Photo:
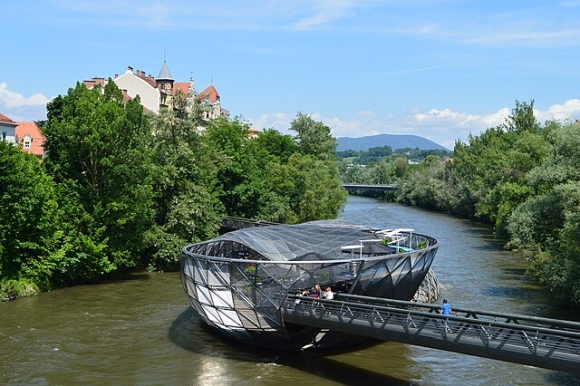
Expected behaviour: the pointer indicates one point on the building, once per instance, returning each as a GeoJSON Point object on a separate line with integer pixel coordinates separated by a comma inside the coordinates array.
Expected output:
{"type": "Point", "coordinates": [7, 129]}
{"type": "Point", "coordinates": [31, 139]}
{"type": "Point", "coordinates": [161, 92]}
{"type": "Point", "coordinates": [25, 134]}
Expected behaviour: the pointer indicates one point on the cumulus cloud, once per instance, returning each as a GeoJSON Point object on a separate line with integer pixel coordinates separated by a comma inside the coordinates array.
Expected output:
{"type": "Point", "coordinates": [569, 110]}
{"type": "Point", "coordinates": [10, 99]}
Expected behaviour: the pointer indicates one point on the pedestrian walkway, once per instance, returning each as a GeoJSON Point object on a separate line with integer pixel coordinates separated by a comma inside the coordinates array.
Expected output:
{"type": "Point", "coordinates": [541, 342]}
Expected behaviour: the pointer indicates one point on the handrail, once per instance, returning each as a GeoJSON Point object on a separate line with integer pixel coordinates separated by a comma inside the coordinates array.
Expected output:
{"type": "Point", "coordinates": [468, 313]}
{"type": "Point", "coordinates": [551, 343]}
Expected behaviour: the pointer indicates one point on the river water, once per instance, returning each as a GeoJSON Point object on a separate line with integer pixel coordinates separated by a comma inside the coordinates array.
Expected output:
{"type": "Point", "coordinates": [140, 330]}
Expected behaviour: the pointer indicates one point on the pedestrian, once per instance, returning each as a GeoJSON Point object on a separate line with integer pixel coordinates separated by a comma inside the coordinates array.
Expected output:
{"type": "Point", "coordinates": [328, 294]}
{"type": "Point", "coordinates": [445, 308]}
{"type": "Point", "coordinates": [446, 311]}
{"type": "Point", "coordinates": [318, 290]}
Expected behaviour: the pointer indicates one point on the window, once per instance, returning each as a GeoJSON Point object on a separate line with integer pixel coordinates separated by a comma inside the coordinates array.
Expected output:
{"type": "Point", "coordinates": [26, 142]}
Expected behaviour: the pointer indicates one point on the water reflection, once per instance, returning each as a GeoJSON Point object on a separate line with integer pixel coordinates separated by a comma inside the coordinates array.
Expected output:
{"type": "Point", "coordinates": [189, 333]}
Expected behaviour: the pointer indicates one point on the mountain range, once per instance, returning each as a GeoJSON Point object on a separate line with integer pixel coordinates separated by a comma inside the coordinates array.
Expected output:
{"type": "Point", "coordinates": [395, 141]}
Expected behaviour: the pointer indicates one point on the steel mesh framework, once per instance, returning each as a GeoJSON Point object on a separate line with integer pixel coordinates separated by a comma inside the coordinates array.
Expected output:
{"type": "Point", "coordinates": [238, 282]}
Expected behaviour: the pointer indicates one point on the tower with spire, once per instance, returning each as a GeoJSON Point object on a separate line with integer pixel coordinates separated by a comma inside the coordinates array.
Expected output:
{"type": "Point", "coordinates": [165, 86]}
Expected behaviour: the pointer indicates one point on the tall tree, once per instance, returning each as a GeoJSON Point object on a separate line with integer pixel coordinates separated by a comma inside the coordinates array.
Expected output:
{"type": "Point", "coordinates": [187, 206]}
{"type": "Point", "coordinates": [29, 219]}
{"type": "Point", "coordinates": [97, 147]}
{"type": "Point", "coordinates": [547, 225]}
{"type": "Point", "coordinates": [314, 138]}
{"type": "Point", "coordinates": [240, 180]}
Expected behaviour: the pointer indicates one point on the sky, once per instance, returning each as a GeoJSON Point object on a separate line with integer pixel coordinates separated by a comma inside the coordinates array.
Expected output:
{"type": "Point", "coordinates": [440, 69]}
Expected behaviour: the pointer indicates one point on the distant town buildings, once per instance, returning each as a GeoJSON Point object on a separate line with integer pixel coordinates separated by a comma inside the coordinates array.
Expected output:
{"type": "Point", "coordinates": [26, 134]}
{"type": "Point", "coordinates": [155, 94]}
{"type": "Point", "coordinates": [161, 92]}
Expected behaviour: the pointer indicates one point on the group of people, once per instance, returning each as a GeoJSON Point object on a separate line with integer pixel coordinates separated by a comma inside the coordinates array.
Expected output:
{"type": "Point", "coordinates": [316, 292]}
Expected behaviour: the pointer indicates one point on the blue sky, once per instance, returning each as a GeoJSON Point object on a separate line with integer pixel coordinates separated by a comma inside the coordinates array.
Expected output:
{"type": "Point", "coordinates": [441, 69]}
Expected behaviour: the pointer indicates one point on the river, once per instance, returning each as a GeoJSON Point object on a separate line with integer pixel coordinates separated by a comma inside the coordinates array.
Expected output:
{"type": "Point", "coordinates": [139, 329]}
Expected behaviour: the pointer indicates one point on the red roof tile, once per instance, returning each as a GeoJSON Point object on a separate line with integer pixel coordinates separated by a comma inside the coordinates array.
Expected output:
{"type": "Point", "coordinates": [29, 129]}
{"type": "Point", "coordinates": [182, 86]}
{"type": "Point", "coordinates": [4, 118]}
{"type": "Point", "coordinates": [210, 93]}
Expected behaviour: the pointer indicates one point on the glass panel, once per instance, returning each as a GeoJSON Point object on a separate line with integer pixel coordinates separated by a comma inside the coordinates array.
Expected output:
{"type": "Point", "coordinates": [221, 298]}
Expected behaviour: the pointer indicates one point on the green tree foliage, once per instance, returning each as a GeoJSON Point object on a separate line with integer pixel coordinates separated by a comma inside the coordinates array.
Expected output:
{"type": "Point", "coordinates": [29, 220]}
{"type": "Point", "coordinates": [522, 177]}
{"type": "Point", "coordinates": [310, 188]}
{"type": "Point", "coordinates": [374, 155]}
{"type": "Point", "coordinates": [239, 177]}
{"type": "Point", "coordinates": [424, 185]}
{"type": "Point", "coordinates": [275, 177]}
{"type": "Point", "coordinates": [491, 169]}
{"type": "Point", "coordinates": [547, 225]}
{"type": "Point", "coordinates": [272, 143]}
{"type": "Point", "coordinates": [121, 188]}
{"type": "Point", "coordinates": [313, 137]}
{"type": "Point", "coordinates": [98, 151]}
{"type": "Point", "coordinates": [386, 154]}
{"type": "Point", "coordinates": [187, 207]}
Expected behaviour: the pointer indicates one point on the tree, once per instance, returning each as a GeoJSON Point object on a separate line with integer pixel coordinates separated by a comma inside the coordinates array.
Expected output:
{"type": "Point", "coordinates": [276, 144]}
{"type": "Point", "coordinates": [522, 119]}
{"type": "Point", "coordinates": [312, 188]}
{"type": "Point", "coordinates": [490, 172]}
{"type": "Point", "coordinates": [187, 207]}
{"type": "Point", "coordinates": [29, 220]}
{"type": "Point", "coordinates": [546, 226]}
{"type": "Point", "coordinates": [239, 177]}
{"type": "Point", "coordinates": [98, 151]}
{"type": "Point", "coordinates": [313, 137]}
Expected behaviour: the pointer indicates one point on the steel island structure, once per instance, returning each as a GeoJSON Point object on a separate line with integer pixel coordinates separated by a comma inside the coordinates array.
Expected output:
{"type": "Point", "coordinates": [239, 281]}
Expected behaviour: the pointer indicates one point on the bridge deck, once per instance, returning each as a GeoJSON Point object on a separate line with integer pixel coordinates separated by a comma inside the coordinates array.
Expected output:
{"type": "Point", "coordinates": [547, 343]}
{"type": "Point", "coordinates": [383, 187]}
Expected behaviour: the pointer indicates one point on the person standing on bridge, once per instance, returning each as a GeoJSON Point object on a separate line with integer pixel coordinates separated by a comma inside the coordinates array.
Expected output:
{"type": "Point", "coordinates": [445, 308]}
{"type": "Point", "coordinates": [446, 311]}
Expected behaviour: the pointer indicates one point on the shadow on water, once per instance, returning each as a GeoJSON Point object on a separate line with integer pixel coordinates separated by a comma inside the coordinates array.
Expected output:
{"type": "Point", "coordinates": [126, 276]}
{"type": "Point", "coordinates": [189, 332]}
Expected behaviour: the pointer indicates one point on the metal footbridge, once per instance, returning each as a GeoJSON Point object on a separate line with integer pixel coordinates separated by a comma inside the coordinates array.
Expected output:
{"type": "Point", "coordinates": [382, 187]}
{"type": "Point", "coordinates": [541, 342]}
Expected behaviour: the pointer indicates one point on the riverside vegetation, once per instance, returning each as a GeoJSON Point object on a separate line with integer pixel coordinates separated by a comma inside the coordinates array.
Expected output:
{"type": "Point", "coordinates": [120, 188]}
{"type": "Point", "coordinates": [523, 177]}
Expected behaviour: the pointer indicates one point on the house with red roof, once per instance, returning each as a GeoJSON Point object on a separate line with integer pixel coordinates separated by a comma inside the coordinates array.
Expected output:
{"type": "Point", "coordinates": [30, 138]}
{"type": "Point", "coordinates": [160, 92]}
{"type": "Point", "coordinates": [25, 134]}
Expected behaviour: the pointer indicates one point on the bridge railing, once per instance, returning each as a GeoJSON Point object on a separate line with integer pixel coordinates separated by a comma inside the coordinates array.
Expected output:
{"type": "Point", "coordinates": [541, 342]}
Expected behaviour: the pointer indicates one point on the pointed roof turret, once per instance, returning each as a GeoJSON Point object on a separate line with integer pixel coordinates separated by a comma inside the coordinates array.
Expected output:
{"type": "Point", "coordinates": [164, 74]}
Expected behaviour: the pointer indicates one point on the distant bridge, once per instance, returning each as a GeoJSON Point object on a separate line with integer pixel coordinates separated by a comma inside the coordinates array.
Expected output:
{"type": "Point", "coordinates": [382, 187]}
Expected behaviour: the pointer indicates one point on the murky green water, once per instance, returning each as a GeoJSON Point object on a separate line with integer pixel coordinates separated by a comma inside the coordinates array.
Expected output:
{"type": "Point", "coordinates": [139, 330]}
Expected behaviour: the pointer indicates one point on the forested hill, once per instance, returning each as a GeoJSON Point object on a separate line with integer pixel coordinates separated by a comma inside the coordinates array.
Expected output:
{"type": "Point", "coordinates": [393, 140]}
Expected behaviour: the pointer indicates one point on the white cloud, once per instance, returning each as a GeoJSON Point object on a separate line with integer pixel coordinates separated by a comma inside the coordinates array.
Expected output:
{"type": "Point", "coordinates": [570, 109]}
{"type": "Point", "coordinates": [10, 99]}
